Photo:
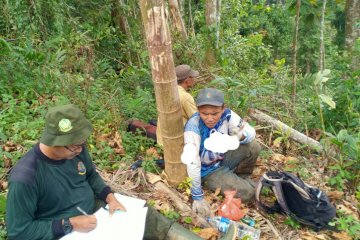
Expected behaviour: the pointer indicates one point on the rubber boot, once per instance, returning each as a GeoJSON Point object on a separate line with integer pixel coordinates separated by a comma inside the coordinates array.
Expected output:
{"type": "Point", "coordinates": [231, 233]}
{"type": "Point", "coordinates": [178, 232]}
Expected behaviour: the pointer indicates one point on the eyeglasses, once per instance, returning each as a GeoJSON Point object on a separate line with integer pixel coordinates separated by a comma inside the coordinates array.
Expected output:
{"type": "Point", "coordinates": [74, 147]}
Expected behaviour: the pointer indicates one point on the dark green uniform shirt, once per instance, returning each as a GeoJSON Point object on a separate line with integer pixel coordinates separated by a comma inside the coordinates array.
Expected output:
{"type": "Point", "coordinates": [43, 191]}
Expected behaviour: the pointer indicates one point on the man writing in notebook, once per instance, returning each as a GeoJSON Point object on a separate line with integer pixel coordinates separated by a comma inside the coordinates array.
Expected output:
{"type": "Point", "coordinates": [52, 188]}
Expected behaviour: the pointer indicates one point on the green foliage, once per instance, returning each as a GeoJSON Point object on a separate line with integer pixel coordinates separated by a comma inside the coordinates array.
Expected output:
{"type": "Point", "coordinates": [134, 106]}
{"type": "Point", "coordinates": [135, 144]}
{"type": "Point", "coordinates": [3, 232]}
{"type": "Point", "coordinates": [348, 223]}
{"type": "Point", "coordinates": [61, 51]}
{"type": "Point", "coordinates": [188, 220]}
{"type": "Point", "coordinates": [346, 166]}
{"type": "Point", "coordinates": [292, 223]}
{"type": "Point", "coordinates": [185, 185]}
{"type": "Point", "coordinates": [150, 166]}
{"type": "Point", "coordinates": [170, 214]}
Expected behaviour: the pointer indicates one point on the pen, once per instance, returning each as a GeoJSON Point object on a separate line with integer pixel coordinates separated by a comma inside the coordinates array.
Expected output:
{"type": "Point", "coordinates": [117, 210]}
{"type": "Point", "coordinates": [82, 211]}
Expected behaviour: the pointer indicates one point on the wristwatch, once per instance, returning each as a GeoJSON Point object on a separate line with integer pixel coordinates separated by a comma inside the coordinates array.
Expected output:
{"type": "Point", "coordinates": [66, 226]}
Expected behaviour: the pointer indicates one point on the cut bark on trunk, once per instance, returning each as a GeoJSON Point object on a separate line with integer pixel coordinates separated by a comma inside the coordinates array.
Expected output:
{"type": "Point", "coordinates": [166, 90]}
{"type": "Point", "coordinates": [294, 134]}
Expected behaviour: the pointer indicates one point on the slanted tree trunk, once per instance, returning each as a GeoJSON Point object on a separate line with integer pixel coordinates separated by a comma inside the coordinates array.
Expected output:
{"type": "Point", "coordinates": [166, 92]}
{"type": "Point", "coordinates": [177, 18]}
{"type": "Point", "coordinates": [295, 40]}
{"type": "Point", "coordinates": [292, 133]}
{"type": "Point", "coordinates": [322, 48]}
{"type": "Point", "coordinates": [352, 32]}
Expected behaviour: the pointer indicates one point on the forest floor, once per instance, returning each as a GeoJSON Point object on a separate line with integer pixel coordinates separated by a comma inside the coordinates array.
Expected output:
{"type": "Point", "coordinates": [308, 166]}
{"type": "Point", "coordinates": [274, 156]}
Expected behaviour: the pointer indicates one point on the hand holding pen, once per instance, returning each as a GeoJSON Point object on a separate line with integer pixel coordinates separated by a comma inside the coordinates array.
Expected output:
{"type": "Point", "coordinates": [83, 222]}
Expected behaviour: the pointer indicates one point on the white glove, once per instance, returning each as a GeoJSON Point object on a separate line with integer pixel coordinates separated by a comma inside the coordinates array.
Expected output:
{"type": "Point", "coordinates": [201, 207]}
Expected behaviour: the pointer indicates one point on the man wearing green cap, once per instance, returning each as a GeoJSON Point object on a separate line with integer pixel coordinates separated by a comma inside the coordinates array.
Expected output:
{"type": "Point", "coordinates": [215, 164]}
{"type": "Point", "coordinates": [56, 178]}
{"type": "Point", "coordinates": [186, 79]}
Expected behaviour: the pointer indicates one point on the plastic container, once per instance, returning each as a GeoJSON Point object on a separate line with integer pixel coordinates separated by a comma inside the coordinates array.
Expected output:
{"type": "Point", "coordinates": [221, 223]}
{"type": "Point", "coordinates": [245, 230]}
{"type": "Point", "coordinates": [248, 221]}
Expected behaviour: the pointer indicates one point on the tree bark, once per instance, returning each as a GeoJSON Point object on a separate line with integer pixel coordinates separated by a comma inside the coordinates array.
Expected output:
{"type": "Point", "coordinates": [295, 41]}
{"type": "Point", "coordinates": [295, 135]}
{"type": "Point", "coordinates": [352, 32]}
{"type": "Point", "coordinates": [212, 19]}
{"type": "Point", "coordinates": [322, 48]}
{"type": "Point", "coordinates": [177, 18]}
{"type": "Point", "coordinates": [120, 20]}
{"type": "Point", "coordinates": [165, 82]}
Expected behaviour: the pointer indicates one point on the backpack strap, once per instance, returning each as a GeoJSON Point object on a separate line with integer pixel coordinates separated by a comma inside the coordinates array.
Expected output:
{"type": "Point", "coordinates": [266, 181]}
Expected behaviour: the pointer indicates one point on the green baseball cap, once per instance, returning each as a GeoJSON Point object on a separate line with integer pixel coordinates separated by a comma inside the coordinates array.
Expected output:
{"type": "Point", "coordinates": [210, 96]}
{"type": "Point", "coordinates": [65, 125]}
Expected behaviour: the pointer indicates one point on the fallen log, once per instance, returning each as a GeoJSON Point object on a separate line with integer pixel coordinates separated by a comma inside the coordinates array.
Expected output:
{"type": "Point", "coordinates": [182, 207]}
{"type": "Point", "coordinates": [293, 134]}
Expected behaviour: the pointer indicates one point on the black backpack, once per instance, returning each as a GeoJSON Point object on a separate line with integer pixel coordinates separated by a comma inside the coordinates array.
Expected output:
{"type": "Point", "coordinates": [306, 204]}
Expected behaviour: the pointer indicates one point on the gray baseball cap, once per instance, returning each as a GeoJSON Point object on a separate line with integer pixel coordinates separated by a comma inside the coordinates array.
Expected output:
{"type": "Point", "coordinates": [210, 96]}
{"type": "Point", "coordinates": [184, 71]}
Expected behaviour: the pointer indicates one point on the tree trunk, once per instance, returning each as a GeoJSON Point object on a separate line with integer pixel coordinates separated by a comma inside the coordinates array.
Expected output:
{"type": "Point", "coordinates": [294, 134]}
{"type": "Point", "coordinates": [352, 32]}
{"type": "Point", "coordinates": [322, 48]}
{"type": "Point", "coordinates": [295, 41]}
{"type": "Point", "coordinates": [212, 19]}
{"type": "Point", "coordinates": [166, 92]}
{"type": "Point", "coordinates": [191, 22]}
{"type": "Point", "coordinates": [177, 18]}
{"type": "Point", "coordinates": [120, 20]}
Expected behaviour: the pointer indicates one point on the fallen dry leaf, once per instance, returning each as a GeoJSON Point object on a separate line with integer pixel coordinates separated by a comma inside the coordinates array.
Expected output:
{"type": "Point", "coordinates": [335, 195]}
{"type": "Point", "coordinates": [152, 152]}
{"type": "Point", "coordinates": [347, 211]}
{"type": "Point", "coordinates": [7, 162]}
{"type": "Point", "coordinates": [277, 157]}
{"type": "Point", "coordinates": [311, 236]}
{"type": "Point", "coordinates": [290, 159]}
{"type": "Point", "coordinates": [3, 185]}
{"type": "Point", "coordinates": [217, 191]}
{"type": "Point", "coordinates": [208, 233]}
{"type": "Point", "coordinates": [341, 236]}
